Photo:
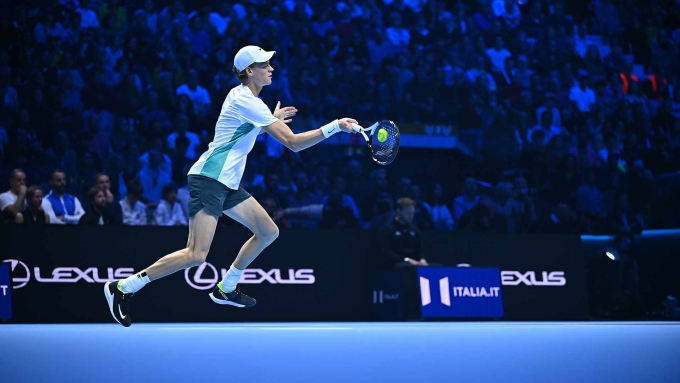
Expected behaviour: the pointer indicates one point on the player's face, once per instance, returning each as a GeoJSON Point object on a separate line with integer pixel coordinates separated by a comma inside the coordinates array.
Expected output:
{"type": "Point", "coordinates": [262, 74]}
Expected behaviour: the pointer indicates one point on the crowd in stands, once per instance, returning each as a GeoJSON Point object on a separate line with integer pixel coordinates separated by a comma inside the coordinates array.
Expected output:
{"type": "Point", "coordinates": [107, 103]}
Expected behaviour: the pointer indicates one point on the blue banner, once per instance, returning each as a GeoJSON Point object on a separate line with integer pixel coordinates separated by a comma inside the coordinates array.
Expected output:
{"type": "Point", "coordinates": [5, 292]}
{"type": "Point", "coordinates": [460, 292]}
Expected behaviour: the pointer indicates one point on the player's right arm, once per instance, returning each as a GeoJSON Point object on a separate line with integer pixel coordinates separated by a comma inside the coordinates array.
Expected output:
{"type": "Point", "coordinates": [297, 142]}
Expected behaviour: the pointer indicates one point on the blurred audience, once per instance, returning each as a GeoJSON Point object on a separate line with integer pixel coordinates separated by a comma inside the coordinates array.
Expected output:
{"type": "Point", "coordinates": [575, 117]}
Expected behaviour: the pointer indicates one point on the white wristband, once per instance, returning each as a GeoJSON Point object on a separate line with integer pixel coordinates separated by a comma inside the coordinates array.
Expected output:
{"type": "Point", "coordinates": [330, 129]}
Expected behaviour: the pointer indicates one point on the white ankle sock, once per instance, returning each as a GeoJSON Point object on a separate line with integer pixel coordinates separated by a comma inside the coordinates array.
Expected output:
{"type": "Point", "coordinates": [230, 280]}
{"type": "Point", "coordinates": [134, 283]}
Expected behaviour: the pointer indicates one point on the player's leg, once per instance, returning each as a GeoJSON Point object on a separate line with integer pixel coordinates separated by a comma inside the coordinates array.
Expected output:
{"type": "Point", "coordinates": [250, 214]}
{"type": "Point", "coordinates": [205, 207]}
{"type": "Point", "coordinates": [201, 231]}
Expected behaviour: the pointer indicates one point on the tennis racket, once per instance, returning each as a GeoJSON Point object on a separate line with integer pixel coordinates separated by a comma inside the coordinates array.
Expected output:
{"type": "Point", "coordinates": [382, 139]}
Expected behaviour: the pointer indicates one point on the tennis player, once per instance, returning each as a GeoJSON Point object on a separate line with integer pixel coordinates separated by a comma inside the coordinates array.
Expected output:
{"type": "Point", "coordinates": [214, 186]}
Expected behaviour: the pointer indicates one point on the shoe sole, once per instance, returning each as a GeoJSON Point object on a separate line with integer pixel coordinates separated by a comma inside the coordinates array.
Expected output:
{"type": "Point", "coordinates": [109, 299]}
{"type": "Point", "coordinates": [224, 302]}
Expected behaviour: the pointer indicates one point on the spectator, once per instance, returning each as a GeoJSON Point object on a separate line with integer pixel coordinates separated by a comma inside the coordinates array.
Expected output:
{"type": "Point", "coordinates": [549, 105]}
{"type": "Point", "coordinates": [62, 156]}
{"type": "Point", "coordinates": [182, 130]}
{"type": "Point", "coordinates": [498, 54]}
{"type": "Point", "coordinates": [199, 96]}
{"type": "Point", "coordinates": [589, 198]}
{"type": "Point", "coordinates": [441, 216]}
{"type": "Point", "coordinates": [563, 220]}
{"type": "Point", "coordinates": [96, 212]}
{"type": "Point", "coordinates": [582, 96]}
{"type": "Point", "coordinates": [62, 207]}
{"type": "Point", "coordinates": [88, 17]}
{"type": "Point", "coordinates": [548, 130]}
{"type": "Point", "coordinates": [153, 178]}
{"type": "Point", "coordinates": [336, 215]}
{"type": "Point", "coordinates": [303, 197]}
{"type": "Point", "coordinates": [103, 182]}
{"type": "Point", "coordinates": [467, 200]}
{"type": "Point", "coordinates": [134, 212]}
{"type": "Point", "coordinates": [276, 214]}
{"type": "Point", "coordinates": [169, 212]}
{"type": "Point", "coordinates": [398, 36]}
{"type": "Point", "coordinates": [33, 214]}
{"type": "Point", "coordinates": [10, 96]}
{"type": "Point", "coordinates": [12, 202]}
{"type": "Point", "coordinates": [482, 218]}
{"type": "Point", "coordinates": [347, 200]}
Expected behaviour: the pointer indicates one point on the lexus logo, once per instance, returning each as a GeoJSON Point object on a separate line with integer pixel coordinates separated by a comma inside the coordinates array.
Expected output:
{"type": "Point", "coordinates": [20, 273]}
{"type": "Point", "coordinates": [198, 281]}
{"type": "Point", "coordinates": [206, 276]}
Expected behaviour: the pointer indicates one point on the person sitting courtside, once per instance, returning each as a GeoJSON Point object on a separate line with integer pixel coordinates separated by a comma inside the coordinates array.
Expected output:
{"type": "Point", "coordinates": [96, 213]}
{"type": "Point", "coordinates": [34, 213]}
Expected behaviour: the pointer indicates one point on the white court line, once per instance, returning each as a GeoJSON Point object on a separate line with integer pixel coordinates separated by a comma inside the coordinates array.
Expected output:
{"type": "Point", "coordinates": [257, 328]}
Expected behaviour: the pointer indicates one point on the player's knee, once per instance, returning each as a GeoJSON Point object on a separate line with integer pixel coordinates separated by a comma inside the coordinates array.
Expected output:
{"type": "Point", "coordinates": [270, 233]}
{"type": "Point", "coordinates": [195, 257]}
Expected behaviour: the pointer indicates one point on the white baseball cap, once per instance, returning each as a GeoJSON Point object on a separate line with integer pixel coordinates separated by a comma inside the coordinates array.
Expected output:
{"type": "Point", "coordinates": [251, 54]}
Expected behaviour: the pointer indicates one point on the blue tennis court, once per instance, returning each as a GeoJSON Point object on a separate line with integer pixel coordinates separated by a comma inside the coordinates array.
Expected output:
{"type": "Point", "coordinates": [342, 352]}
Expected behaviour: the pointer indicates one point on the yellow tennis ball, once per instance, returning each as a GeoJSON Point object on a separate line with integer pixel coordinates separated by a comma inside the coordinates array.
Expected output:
{"type": "Point", "coordinates": [382, 135]}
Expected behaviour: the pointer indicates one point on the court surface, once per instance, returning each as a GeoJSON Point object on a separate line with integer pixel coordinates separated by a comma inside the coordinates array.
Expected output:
{"type": "Point", "coordinates": [342, 352]}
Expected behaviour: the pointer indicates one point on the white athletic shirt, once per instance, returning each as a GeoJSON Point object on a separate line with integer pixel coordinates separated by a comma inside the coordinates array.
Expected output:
{"type": "Point", "coordinates": [242, 117]}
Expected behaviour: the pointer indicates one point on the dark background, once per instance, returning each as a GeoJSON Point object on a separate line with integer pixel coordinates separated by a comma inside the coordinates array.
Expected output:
{"type": "Point", "coordinates": [339, 258]}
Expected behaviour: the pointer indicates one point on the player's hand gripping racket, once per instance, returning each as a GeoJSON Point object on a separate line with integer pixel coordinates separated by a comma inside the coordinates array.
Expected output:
{"type": "Point", "coordinates": [383, 140]}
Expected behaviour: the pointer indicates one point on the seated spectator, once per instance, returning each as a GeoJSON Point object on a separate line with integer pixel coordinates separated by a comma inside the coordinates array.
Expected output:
{"type": "Point", "coordinates": [498, 54]}
{"type": "Point", "coordinates": [199, 96]}
{"type": "Point", "coordinates": [549, 130]}
{"type": "Point", "coordinates": [134, 212]}
{"type": "Point", "coordinates": [157, 144]}
{"type": "Point", "coordinates": [96, 213]}
{"type": "Point", "coordinates": [347, 200]}
{"type": "Point", "coordinates": [440, 214]}
{"type": "Point", "coordinates": [336, 215]}
{"type": "Point", "coordinates": [220, 19]}
{"type": "Point", "coordinates": [88, 16]}
{"type": "Point", "coordinates": [398, 36]}
{"type": "Point", "coordinates": [482, 218]}
{"type": "Point", "coordinates": [589, 198]}
{"type": "Point", "coordinates": [399, 239]}
{"type": "Point", "coordinates": [62, 207]}
{"type": "Point", "coordinates": [303, 197]}
{"type": "Point", "coordinates": [549, 105]}
{"type": "Point", "coordinates": [622, 220]}
{"type": "Point", "coordinates": [582, 96]}
{"type": "Point", "coordinates": [563, 220]}
{"type": "Point", "coordinates": [62, 155]}
{"type": "Point", "coordinates": [182, 130]}
{"type": "Point", "coordinates": [153, 177]}
{"type": "Point", "coordinates": [468, 200]}
{"type": "Point", "coordinates": [34, 213]}
{"type": "Point", "coordinates": [277, 215]}
{"type": "Point", "coordinates": [103, 182]}
{"type": "Point", "coordinates": [422, 218]}
{"type": "Point", "coordinates": [12, 201]}
{"type": "Point", "coordinates": [169, 212]}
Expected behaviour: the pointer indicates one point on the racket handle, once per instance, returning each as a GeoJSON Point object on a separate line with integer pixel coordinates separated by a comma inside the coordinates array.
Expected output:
{"type": "Point", "coordinates": [357, 128]}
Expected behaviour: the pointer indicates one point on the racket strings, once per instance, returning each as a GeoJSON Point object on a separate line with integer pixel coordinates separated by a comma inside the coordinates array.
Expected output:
{"type": "Point", "coordinates": [384, 152]}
